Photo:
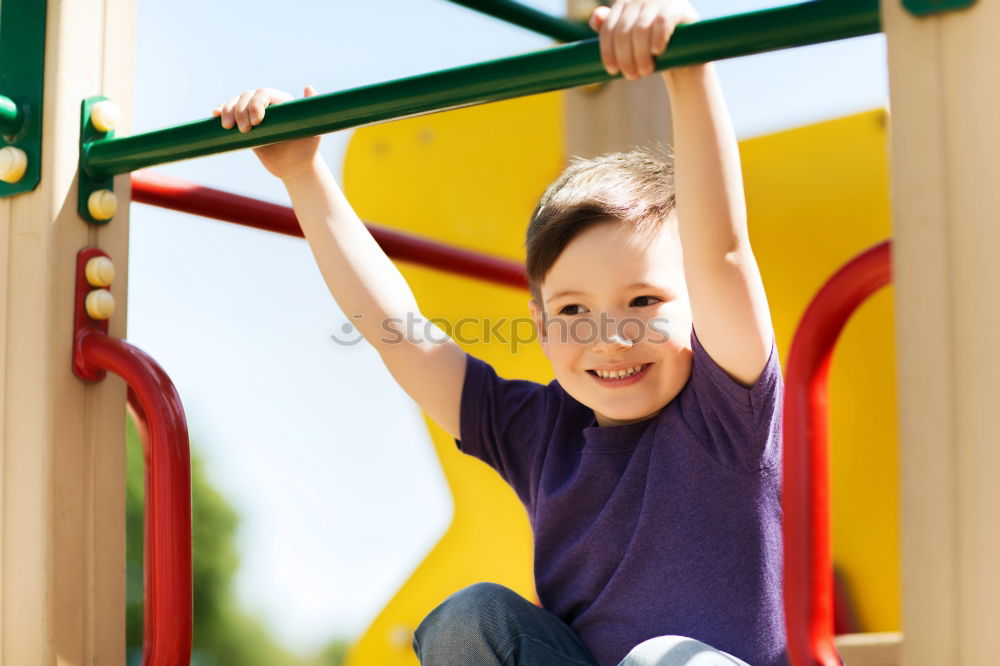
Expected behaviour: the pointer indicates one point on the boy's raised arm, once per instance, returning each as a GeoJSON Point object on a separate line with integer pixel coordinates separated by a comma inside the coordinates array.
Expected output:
{"type": "Point", "coordinates": [728, 302]}
{"type": "Point", "coordinates": [363, 281]}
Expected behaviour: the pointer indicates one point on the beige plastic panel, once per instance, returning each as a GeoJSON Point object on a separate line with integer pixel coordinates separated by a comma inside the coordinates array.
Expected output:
{"type": "Point", "coordinates": [62, 469]}
{"type": "Point", "coordinates": [875, 649]}
{"type": "Point", "coordinates": [944, 142]}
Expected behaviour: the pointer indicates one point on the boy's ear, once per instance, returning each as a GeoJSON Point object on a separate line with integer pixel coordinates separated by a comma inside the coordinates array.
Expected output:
{"type": "Point", "coordinates": [538, 315]}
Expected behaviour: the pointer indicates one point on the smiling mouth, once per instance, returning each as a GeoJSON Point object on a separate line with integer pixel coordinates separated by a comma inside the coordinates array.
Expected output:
{"type": "Point", "coordinates": [619, 379]}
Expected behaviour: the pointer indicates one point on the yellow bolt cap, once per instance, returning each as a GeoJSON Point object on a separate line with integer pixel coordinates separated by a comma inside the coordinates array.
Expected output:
{"type": "Point", "coordinates": [13, 163]}
{"type": "Point", "coordinates": [100, 304]}
{"type": "Point", "coordinates": [102, 204]}
{"type": "Point", "coordinates": [105, 115]}
{"type": "Point", "coordinates": [99, 271]}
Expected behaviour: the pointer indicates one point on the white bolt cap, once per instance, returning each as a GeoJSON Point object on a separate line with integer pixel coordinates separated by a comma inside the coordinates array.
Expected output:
{"type": "Point", "coordinates": [13, 163]}
{"type": "Point", "coordinates": [105, 115]}
{"type": "Point", "coordinates": [102, 204]}
{"type": "Point", "coordinates": [99, 271]}
{"type": "Point", "coordinates": [100, 304]}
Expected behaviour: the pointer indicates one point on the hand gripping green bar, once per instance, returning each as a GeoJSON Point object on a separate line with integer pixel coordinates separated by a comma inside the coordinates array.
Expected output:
{"type": "Point", "coordinates": [559, 29]}
{"type": "Point", "coordinates": [565, 66]}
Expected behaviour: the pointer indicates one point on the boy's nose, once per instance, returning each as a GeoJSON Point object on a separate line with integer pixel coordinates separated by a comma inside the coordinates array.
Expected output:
{"type": "Point", "coordinates": [614, 342]}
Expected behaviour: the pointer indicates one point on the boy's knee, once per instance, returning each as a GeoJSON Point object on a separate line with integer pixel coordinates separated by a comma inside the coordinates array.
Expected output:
{"type": "Point", "coordinates": [677, 651]}
{"type": "Point", "coordinates": [479, 600]}
{"type": "Point", "coordinates": [468, 617]}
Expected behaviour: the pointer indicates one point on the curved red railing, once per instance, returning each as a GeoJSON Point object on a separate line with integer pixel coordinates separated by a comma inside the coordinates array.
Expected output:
{"type": "Point", "coordinates": [808, 582]}
{"type": "Point", "coordinates": [176, 194]}
{"type": "Point", "coordinates": [168, 602]}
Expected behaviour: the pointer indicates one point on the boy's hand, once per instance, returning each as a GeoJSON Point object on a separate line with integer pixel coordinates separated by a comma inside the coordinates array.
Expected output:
{"type": "Point", "coordinates": [246, 111]}
{"type": "Point", "coordinates": [633, 31]}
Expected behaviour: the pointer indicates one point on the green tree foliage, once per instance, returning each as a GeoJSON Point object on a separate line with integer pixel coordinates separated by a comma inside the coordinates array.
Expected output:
{"type": "Point", "coordinates": [223, 634]}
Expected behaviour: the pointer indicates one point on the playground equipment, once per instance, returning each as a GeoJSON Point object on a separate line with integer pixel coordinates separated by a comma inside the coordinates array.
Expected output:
{"type": "Point", "coordinates": [160, 417]}
{"type": "Point", "coordinates": [943, 201]}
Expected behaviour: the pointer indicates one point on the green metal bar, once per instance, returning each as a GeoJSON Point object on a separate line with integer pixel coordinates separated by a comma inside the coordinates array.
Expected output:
{"type": "Point", "coordinates": [560, 67]}
{"type": "Point", "coordinates": [560, 29]}
{"type": "Point", "coordinates": [10, 117]}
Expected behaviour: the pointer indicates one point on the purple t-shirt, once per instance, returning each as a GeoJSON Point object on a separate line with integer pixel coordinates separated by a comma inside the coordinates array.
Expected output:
{"type": "Point", "coordinates": [667, 526]}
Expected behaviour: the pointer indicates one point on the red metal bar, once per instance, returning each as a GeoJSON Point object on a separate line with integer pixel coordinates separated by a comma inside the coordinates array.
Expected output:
{"type": "Point", "coordinates": [809, 614]}
{"type": "Point", "coordinates": [168, 602]}
{"type": "Point", "coordinates": [180, 195]}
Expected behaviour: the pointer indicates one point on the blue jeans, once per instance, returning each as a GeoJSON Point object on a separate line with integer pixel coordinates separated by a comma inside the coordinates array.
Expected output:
{"type": "Point", "coordinates": [490, 625]}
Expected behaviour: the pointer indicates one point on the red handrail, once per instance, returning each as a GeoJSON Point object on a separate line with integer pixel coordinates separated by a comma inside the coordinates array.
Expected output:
{"type": "Point", "coordinates": [168, 604]}
{"type": "Point", "coordinates": [808, 577]}
{"type": "Point", "coordinates": [180, 195]}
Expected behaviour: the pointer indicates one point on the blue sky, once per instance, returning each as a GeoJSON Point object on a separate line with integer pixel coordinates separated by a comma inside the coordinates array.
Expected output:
{"type": "Point", "coordinates": [325, 458]}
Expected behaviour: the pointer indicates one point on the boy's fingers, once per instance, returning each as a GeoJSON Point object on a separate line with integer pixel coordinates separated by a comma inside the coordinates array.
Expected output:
{"type": "Point", "coordinates": [255, 107]}
{"type": "Point", "coordinates": [624, 55]}
{"type": "Point", "coordinates": [608, 54]}
{"type": "Point", "coordinates": [607, 40]}
{"type": "Point", "coordinates": [659, 34]}
{"type": "Point", "coordinates": [642, 48]}
{"type": "Point", "coordinates": [597, 18]}
{"type": "Point", "coordinates": [227, 113]}
{"type": "Point", "coordinates": [240, 113]}
{"type": "Point", "coordinates": [309, 91]}
{"type": "Point", "coordinates": [247, 109]}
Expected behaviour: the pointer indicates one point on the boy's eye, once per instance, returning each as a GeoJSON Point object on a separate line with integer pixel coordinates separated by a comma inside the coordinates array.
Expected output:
{"type": "Point", "coordinates": [642, 301]}
{"type": "Point", "coordinates": [570, 309]}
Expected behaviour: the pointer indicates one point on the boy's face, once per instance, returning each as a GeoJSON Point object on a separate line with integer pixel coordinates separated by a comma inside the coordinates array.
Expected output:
{"type": "Point", "coordinates": [614, 301]}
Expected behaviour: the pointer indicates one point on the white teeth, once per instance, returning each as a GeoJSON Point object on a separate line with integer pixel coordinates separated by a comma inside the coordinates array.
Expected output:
{"type": "Point", "coordinates": [618, 374]}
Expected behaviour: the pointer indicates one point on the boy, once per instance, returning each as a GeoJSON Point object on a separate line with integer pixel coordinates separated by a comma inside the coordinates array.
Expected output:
{"type": "Point", "coordinates": [650, 467]}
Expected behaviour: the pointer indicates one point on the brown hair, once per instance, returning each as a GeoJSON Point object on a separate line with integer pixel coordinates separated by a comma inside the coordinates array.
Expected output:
{"type": "Point", "coordinates": [634, 188]}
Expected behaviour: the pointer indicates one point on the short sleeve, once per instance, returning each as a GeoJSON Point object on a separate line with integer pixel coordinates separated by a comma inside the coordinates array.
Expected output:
{"type": "Point", "coordinates": [741, 426]}
{"type": "Point", "coordinates": [503, 422]}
